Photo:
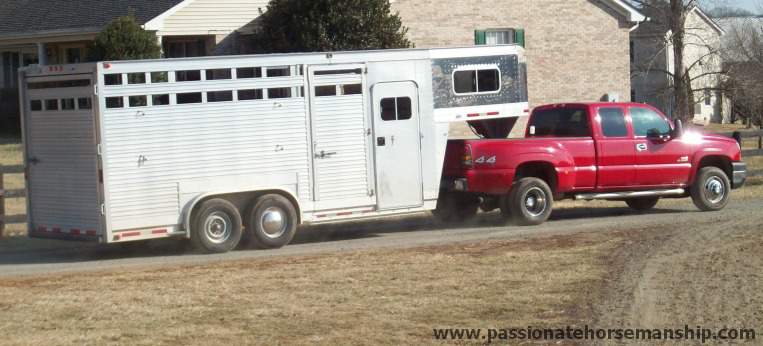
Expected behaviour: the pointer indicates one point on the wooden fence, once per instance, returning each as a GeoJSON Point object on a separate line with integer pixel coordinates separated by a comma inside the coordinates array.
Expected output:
{"type": "Point", "coordinates": [21, 193]}
{"type": "Point", "coordinates": [6, 194]}
{"type": "Point", "coordinates": [742, 136]}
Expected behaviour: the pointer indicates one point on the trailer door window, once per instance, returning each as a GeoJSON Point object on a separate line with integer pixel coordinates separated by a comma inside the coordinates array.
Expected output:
{"type": "Point", "coordinates": [396, 108]}
{"type": "Point", "coordinates": [476, 81]}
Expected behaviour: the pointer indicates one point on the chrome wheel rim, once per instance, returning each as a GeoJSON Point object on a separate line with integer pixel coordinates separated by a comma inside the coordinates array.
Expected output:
{"type": "Point", "coordinates": [535, 201]}
{"type": "Point", "coordinates": [715, 191]}
{"type": "Point", "coordinates": [218, 227]}
{"type": "Point", "coordinates": [273, 222]}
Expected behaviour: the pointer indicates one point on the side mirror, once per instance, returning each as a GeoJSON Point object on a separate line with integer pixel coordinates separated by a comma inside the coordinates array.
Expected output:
{"type": "Point", "coordinates": [678, 130]}
{"type": "Point", "coordinates": [655, 136]}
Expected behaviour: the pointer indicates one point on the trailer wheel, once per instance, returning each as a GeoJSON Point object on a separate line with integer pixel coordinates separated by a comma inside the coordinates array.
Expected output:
{"type": "Point", "coordinates": [710, 191]}
{"type": "Point", "coordinates": [456, 207]}
{"type": "Point", "coordinates": [529, 202]}
{"type": "Point", "coordinates": [271, 222]}
{"type": "Point", "coordinates": [216, 227]}
{"type": "Point", "coordinates": [642, 204]}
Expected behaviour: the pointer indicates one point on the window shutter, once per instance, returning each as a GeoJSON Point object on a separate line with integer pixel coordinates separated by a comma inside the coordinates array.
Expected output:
{"type": "Point", "coordinates": [519, 37]}
{"type": "Point", "coordinates": [479, 37]}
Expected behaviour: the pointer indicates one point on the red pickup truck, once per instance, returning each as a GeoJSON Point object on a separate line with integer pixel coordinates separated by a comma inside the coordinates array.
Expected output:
{"type": "Point", "coordinates": [617, 151]}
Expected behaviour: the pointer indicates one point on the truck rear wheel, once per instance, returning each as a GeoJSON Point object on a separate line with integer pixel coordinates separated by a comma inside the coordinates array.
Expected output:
{"type": "Point", "coordinates": [216, 227]}
{"type": "Point", "coordinates": [529, 202]}
{"type": "Point", "coordinates": [710, 191]}
{"type": "Point", "coordinates": [271, 222]}
{"type": "Point", "coordinates": [456, 207]}
{"type": "Point", "coordinates": [642, 204]}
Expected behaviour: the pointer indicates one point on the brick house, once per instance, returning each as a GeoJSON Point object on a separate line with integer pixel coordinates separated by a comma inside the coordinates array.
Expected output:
{"type": "Point", "coordinates": [577, 50]}
{"type": "Point", "coordinates": [59, 31]}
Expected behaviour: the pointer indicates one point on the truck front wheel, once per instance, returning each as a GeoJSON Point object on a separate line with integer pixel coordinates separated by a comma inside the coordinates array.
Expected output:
{"type": "Point", "coordinates": [710, 191]}
{"type": "Point", "coordinates": [271, 222]}
{"type": "Point", "coordinates": [216, 227]}
{"type": "Point", "coordinates": [529, 202]}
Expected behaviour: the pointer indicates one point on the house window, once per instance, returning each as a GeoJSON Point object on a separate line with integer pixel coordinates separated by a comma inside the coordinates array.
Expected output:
{"type": "Point", "coordinates": [476, 81]}
{"type": "Point", "coordinates": [708, 98]}
{"type": "Point", "coordinates": [10, 66]}
{"type": "Point", "coordinates": [633, 51]}
{"type": "Point", "coordinates": [500, 36]}
{"type": "Point", "coordinates": [493, 37]}
{"type": "Point", "coordinates": [185, 48]}
{"type": "Point", "coordinates": [73, 55]}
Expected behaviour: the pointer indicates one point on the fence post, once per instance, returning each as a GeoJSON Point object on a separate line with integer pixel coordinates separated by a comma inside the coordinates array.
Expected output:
{"type": "Point", "coordinates": [2, 205]}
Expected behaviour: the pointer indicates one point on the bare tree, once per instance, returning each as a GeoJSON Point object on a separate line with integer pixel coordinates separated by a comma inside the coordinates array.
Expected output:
{"type": "Point", "coordinates": [674, 34]}
{"type": "Point", "coordinates": [744, 60]}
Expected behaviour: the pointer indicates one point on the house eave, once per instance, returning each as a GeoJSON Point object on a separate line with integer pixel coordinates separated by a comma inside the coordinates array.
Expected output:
{"type": "Point", "coordinates": [47, 35]}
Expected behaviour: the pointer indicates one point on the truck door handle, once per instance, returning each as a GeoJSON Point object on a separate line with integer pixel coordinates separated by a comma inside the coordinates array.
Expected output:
{"type": "Point", "coordinates": [641, 147]}
{"type": "Point", "coordinates": [381, 141]}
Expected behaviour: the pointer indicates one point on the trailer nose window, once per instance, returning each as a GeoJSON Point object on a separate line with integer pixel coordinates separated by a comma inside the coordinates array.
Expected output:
{"type": "Point", "coordinates": [476, 81]}
{"type": "Point", "coordinates": [396, 108]}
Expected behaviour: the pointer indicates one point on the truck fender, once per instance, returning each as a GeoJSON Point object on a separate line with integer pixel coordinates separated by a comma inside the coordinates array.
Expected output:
{"type": "Point", "coordinates": [703, 154]}
{"type": "Point", "coordinates": [189, 207]}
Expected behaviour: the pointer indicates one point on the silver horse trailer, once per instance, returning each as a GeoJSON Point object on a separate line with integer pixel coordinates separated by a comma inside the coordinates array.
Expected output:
{"type": "Point", "coordinates": [246, 148]}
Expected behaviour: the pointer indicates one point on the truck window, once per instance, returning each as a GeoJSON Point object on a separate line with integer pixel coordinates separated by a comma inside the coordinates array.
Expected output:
{"type": "Point", "coordinates": [567, 122]}
{"type": "Point", "coordinates": [613, 122]}
{"type": "Point", "coordinates": [646, 119]}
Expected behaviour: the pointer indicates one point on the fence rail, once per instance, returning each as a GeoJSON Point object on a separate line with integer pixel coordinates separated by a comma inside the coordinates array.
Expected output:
{"type": "Point", "coordinates": [20, 193]}
{"type": "Point", "coordinates": [14, 193]}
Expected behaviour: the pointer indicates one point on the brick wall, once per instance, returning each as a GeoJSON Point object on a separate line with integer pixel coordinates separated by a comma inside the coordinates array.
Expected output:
{"type": "Point", "coordinates": [577, 50]}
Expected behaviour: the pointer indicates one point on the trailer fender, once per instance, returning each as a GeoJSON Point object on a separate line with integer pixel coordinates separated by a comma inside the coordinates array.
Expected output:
{"type": "Point", "coordinates": [190, 206]}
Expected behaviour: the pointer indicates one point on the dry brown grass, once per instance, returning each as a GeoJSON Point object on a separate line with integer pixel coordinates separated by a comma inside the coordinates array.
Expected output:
{"type": "Point", "coordinates": [379, 297]}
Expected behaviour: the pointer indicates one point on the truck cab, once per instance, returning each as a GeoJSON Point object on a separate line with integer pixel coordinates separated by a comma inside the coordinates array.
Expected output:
{"type": "Point", "coordinates": [618, 151]}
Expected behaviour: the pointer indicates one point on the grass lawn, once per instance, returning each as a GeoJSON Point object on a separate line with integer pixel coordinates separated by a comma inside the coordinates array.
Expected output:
{"type": "Point", "coordinates": [370, 297]}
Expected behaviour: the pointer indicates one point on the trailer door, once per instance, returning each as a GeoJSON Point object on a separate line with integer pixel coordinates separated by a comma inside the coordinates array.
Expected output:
{"type": "Point", "coordinates": [398, 144]}
{"type": "Point", "coordinates": [59, 125]}
{"type": "Point", "coordinates": [340, 137]}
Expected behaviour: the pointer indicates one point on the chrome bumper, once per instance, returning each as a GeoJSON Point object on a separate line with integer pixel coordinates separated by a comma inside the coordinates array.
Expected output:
{"type": "Point", "coordinates": [740, 174]}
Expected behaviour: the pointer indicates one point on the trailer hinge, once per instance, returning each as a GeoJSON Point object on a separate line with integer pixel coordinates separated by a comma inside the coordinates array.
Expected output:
{"type": "Point", "coordinates": [365, 70]}
{"type": "Point", "coordinates": [103, 209]}
{"type": "Point", "coordinates": [99, 149]}
{"type": "Point", "coordinates": [95, 89]}
{"type": "Point", "coordinates": [371, 192]}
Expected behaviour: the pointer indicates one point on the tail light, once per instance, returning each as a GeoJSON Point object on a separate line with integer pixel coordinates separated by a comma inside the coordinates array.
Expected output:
{"type": "Point", "coordinates": [466, 159]}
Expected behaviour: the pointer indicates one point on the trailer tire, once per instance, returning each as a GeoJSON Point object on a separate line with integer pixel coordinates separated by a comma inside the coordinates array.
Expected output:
{"type": "Point", "coordinates": [216, 226]}
{"type": "Point", "coordinates": [642, 204]}
{"type": "Point", "coordinates": [529, 202]}
{"type": "Point", "coordinates": [711, 189]}
{"type": "Point", "coordinates": [271, 222]}
{"type": "Point", "coordinates": [454, 207]}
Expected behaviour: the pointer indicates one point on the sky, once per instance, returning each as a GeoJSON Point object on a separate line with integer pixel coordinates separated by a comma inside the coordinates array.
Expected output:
{"type": "Point", "coordinates": [751, 5]}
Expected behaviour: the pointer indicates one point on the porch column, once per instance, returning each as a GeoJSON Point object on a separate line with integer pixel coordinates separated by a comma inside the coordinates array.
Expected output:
{"type": "Point", "coordinates": [42, 53]}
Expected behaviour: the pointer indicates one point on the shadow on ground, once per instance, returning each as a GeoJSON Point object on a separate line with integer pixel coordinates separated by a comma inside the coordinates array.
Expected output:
{"type": "Point", "coordinates": [70, 252]}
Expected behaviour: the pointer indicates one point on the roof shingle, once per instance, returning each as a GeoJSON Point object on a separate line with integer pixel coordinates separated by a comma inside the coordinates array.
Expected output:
{"type": "Point", "coordinates": [32, 16]}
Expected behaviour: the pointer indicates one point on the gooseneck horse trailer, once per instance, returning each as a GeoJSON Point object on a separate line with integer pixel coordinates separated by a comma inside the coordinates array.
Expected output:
{"type": "Point", "coordinates": [222, 150]}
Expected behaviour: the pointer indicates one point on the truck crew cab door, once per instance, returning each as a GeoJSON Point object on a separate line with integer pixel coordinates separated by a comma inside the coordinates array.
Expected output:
{"type": "Point", "coordinates": [397, 143]}
{"type": "Point", "coordinates": [659, 162]}
{"type": "Point", "coordinates": [615, 149]}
